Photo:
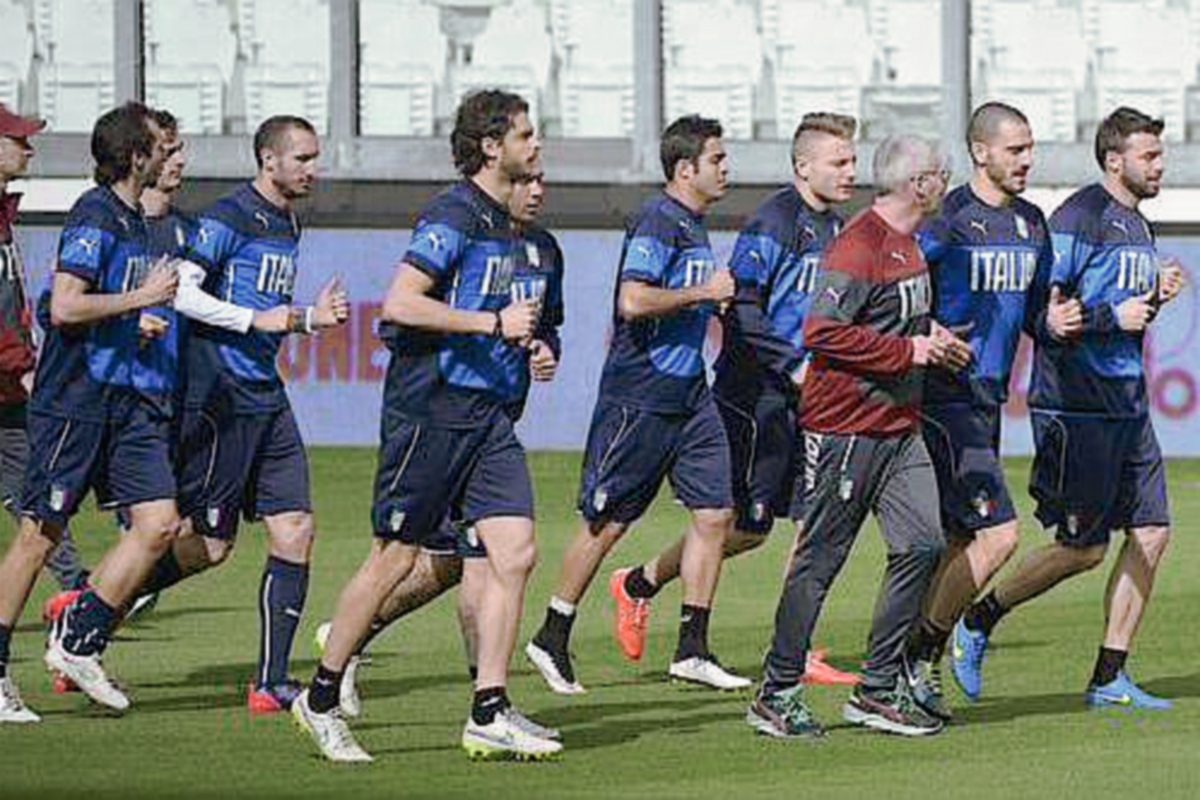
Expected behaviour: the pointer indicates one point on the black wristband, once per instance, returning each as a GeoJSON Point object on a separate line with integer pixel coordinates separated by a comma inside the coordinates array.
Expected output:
{"type": "Point", "coordinates": [498, 328]}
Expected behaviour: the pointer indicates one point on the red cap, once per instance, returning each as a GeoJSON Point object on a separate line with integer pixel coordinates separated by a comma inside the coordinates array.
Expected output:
{"type": "Point", "coordinates": [16, 126]}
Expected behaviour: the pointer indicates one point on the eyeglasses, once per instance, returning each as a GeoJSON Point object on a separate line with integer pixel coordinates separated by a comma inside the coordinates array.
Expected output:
{"type": "Point", "coordinates": [944, 174]}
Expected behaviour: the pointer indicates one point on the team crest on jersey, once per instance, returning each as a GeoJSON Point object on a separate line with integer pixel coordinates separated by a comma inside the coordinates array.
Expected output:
{"type": "Point", "coordinates": [213, 517]}
{"type": "Point", "coordinates": [983, 505]}
{"type": "Point", "coordinates": [1022, 227]}
{"type": "Point", "coordinates": [599, 500]}
{"type": "Point", "coordinates": [396, 521]}
{"type": "Point", "coordinates": [58, 498]}
{"type": "Point", "coordinates": [533, 255]}
{"type": "Point", "coordinates": [760, 512]}
{"type": "Point", "coordinates": [180, 239]}
{"type": "Point", "coordinates": [204, 233]}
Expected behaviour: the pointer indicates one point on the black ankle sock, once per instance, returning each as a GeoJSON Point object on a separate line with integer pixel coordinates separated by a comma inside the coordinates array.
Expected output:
{"type": "Point", "coordinates": [323, 694]}
{"type": "Point", "coordinates": [5, 639]}
{"type": "Point", "coordinates": [1109, 664]}
{"type": "Point", "coordinates": [927, 641]}
{"type": "Point", "coordinates": [556, 631]}
{"type": "Point", "coordinates": [638, 586]}
{"type": "Point", "coordinates": [488, 703]}
{"type": "Point", "coordinates": [983, 615]}
{"type": "Point", "coordinates": [693, 632]}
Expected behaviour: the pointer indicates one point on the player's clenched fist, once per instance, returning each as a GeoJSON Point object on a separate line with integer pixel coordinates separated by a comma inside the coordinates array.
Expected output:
{"type": "Point", "coordinates": [159, 287]}
{"type": "Point", "coordinates": [517, 321]}
{"type": "Point", "coordinates": [721, 286]}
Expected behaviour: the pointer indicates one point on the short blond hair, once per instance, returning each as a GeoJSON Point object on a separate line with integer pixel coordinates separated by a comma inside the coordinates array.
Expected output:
{"type": "Point", "coordinates": [842, 126]}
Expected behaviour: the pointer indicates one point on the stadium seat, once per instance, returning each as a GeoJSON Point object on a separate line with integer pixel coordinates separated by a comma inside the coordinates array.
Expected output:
{"type": "Point", "coordinates": [403, 52]}
{"type": "Point", "coordinates": [72, 96]}
{"type": "Point", "coordinates": [396, 100]}
{"type": "Point", "coordinates": [16, 50]}
{"type": "Point", "coordinates": [294, 89]}
{"type": "Point", "coordinates": [75, 81]}
{"type": "Point", "coordinates": [10, 85]}
{"type": "Point", "coordinates": [908, 38]}
{"type": "Point", "coordinates": [594, 43]}
{"type": "Point", "coordinates": [286, 44]}
{"type": "Point", "coordinates": [726, 94]}
{"type": "Point", "coordinates": [597, 101]}
{"type": "Point", "coordinates": [1033, 54]}
{"type": "Point", "coordinates": [1149, 70]}
{"type": "Point", "coordinates": [800, 90]}
{"type": "Point", "coordinates": [469, 78]}
{"type": "Point", "coordinates": [193, 93]}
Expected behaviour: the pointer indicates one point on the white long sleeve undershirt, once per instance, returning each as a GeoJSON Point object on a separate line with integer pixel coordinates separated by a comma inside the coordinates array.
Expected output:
{"type": "Point", "coordinates": [195, 303]}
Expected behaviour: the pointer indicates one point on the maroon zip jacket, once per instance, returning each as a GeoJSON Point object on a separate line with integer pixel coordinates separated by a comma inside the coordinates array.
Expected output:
{"type": "Point", "coordinates": [871, 297]}
{"type": "Point", "coordinates": [16, 319]}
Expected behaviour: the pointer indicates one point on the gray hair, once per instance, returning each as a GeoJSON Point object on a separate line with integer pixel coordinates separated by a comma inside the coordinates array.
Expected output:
{"type": "Point", "coordinates": [898, 159]}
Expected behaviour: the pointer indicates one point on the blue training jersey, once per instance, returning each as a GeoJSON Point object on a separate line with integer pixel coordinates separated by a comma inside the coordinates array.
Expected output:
{"type": "Point", "coordinates": [657, 364]}
{"type": "Point", "coordinates": [775, 263]}
{"type": "Point", "coordinates": [166, 235]}
{"type": "Point", "coordinates": [247, 247]}
{"type": "Point", "coordinates": [464, 240]}
{"type": "Point", "coordinates": [1103, 254]}
{"type": "Point", "coordinates": [990, 267]}
{"type": "Point", "coordinates": [103, 243]}
{"type": "Point", "coordinates": [413, 369]}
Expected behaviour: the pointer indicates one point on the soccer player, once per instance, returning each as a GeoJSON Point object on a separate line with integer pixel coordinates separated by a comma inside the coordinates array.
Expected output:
{"type": "Point", "coordinates": [990, 256]}
{"type": "Point", "coordinates": [761, 367]}
{"type": "Point", "coordinates": [17, 344]}
{"type": "Point", "coordinates": [240, 451]}
{"type": "Point", "coordinates": [1097, 464]}
{"type": "Point", "coordinates": [456, 555]}
{"type": "Point", "coordinates": [452, 445]}
{"type": "Point", "coordinates": [655, 416]}
{"type": "Point", "coordinates": [96, 421]}
{"type": "Point", "coordinates": [870, 336]}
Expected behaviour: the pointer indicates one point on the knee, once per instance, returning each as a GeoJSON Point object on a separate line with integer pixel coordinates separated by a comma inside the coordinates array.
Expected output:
{"type": "Point", "coordinates": [39, 538]}
{"type": "Point", "coordinates": [606, 534]}
{"type": "Point", "coordinates": [713, 522]}
{"type": "Point", "coordinates": [1153, 541]}
{"type": "Point", "coordinates": [217, 550]}
{"type": "Point", "coordinates": [1000, 543]}
{"type": "Point", "coordinates": [292, 536]}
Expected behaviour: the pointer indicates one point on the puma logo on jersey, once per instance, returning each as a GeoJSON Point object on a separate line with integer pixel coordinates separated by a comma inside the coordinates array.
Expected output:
{"type": "Point", "coordinates": [979, 226]}
{"type": "Point", "coordinates": [898, 256]}
{"type": "Point", "coordinates": [263, 220]}
{"type": "Point", "coordinates": [436, 241]}
{"type": "Point", "coordinates": [89, 245]}
{"type": "Point", "coordinates": [1120, 225]}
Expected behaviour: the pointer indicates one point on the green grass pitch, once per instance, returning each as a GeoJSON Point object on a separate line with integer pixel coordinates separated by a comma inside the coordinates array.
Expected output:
{"type": "Point", "coordinates": [634, 735]}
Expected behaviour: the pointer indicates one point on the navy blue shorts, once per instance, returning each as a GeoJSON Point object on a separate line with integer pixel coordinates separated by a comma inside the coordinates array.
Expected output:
{"type": "Point", "coordinates": [762, 452]}
{"type": "Point", "coordinates": [630, 451]}
{"type": "Point", "coordinates": [964, 442]}
{"type": "Point", "coordinates": [456, 540]}
{"type": "Point", "coordinates": [1093, 474]}
{"type": "Point", "coordinates": [426, 473]}
{"type": "Point", "coordinates": [235, 466]}
{"type": "Point", "coordinates": [125, 461]}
